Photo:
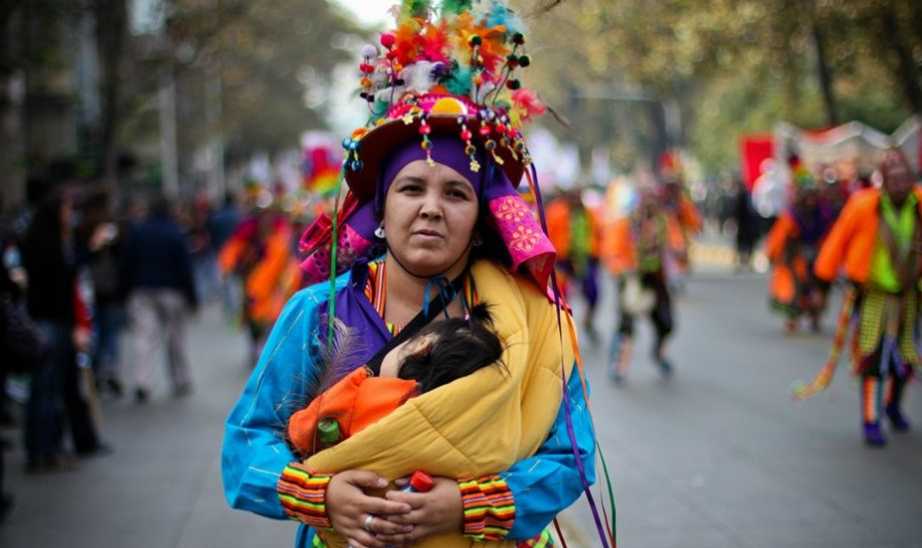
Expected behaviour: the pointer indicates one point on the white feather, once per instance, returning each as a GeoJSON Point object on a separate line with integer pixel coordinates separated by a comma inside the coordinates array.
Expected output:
{"type": "Point", "coordinates": [419, 76]}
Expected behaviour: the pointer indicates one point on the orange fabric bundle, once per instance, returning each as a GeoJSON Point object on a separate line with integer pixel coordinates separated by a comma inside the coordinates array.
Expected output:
{"type": "Point", "coordinates": [355, 402]}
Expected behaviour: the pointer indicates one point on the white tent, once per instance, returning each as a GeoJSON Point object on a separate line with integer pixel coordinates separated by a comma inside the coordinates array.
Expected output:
{"type": "Point", "coordinates": [850, 149]}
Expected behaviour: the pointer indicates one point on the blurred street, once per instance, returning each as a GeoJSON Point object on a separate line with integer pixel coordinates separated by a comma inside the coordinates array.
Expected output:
{"type": "Point", "coordinates": [185, 167]}
{"type": "Point", "coordinates": [716, 456]}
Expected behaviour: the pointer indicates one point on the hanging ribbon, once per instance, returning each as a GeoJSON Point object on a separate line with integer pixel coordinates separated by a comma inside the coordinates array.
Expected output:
{"type": "Point", "coordinates": [801, 391]}
{"type": "Point", "coordinates": [333, 249]}
{"type": "Point", "coordinates": [446, 293]}
{"type": "Point", "coordinates": [606, 533]}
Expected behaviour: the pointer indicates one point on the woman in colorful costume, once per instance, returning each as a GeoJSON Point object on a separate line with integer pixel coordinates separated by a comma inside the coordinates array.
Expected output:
{"type": "Point", "coordinates": [636, 251]}
{"type": "Point", "coordinates": [260, 251]}
{"type": "Point", "coordinates": [430, 186]}
{"type": "Point", "coordinates": [575, 233]}
{"type": "Point", "coordinates": [792, 246]}
{"type": "Point", "coordinates": [878, 239]}
{"type": "Point", "coordinates": [684, 219]}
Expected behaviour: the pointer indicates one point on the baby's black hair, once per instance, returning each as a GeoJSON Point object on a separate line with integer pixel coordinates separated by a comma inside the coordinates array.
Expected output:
{"type": "Point", "coordinates": [458, 348]}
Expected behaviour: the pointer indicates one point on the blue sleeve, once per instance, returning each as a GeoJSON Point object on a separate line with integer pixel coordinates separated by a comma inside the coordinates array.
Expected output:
{"type": "Point", "coordinates": [548, 482]}
{"type": "Point", "coordinates": [254, 453]}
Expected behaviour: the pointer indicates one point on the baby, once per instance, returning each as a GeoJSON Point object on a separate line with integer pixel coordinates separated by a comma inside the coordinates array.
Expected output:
{"type": "Point", "coordinates": [438, 354]}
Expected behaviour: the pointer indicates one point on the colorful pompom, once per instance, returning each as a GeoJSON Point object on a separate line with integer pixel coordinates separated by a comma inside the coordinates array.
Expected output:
{"type": "Point", "coordinates": [369, 51]}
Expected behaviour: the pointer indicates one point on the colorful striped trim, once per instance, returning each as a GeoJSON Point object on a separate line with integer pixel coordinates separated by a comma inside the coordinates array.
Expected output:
{"type": "Point", "coordinates": [870, 399]}
{"type": "Point", "coordinates": [376, 292]}
{"type": "Point", "coordinates": [489, 509]}
{"type": "Point", "coordinates": [302, 494]}
{"type": "Point", "coordinates": [542, 540]}
{"type": "Point", "coordinates": [375, 288]}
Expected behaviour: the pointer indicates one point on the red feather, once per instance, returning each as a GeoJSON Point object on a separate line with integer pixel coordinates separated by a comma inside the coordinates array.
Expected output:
{"type": "Point", "coordinates": [434, 43]}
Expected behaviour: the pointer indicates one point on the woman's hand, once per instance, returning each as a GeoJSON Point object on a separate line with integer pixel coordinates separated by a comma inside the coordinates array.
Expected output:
{"type": "Point", "coordinates": [348, 507]}
{"type": "Point", "coordinates": [437, 511]}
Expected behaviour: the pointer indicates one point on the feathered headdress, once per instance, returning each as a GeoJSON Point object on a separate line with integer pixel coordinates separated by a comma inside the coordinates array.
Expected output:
{"type": "Point", "coordinates": [445, 72]}
{"type": "Point", "coordinates": [803, 182]}
{"type": "Point", "coordinates": [449, 68]}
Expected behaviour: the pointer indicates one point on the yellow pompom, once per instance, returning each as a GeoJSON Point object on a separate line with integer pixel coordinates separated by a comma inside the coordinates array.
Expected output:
{"type": "Point", "coordinates": [449, 105]}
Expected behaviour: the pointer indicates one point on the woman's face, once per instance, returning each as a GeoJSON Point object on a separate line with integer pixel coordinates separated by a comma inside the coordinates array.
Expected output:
{"type": "Point", "coordinates": [429, 218]}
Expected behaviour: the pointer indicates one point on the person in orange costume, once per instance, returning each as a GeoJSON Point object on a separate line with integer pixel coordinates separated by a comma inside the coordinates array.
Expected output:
{"type": "Point", "coordinates": [684, 224]}
{"type": "Point", "coordinates": [636, 250]}
{"type": "Point", "coordinates": [878, 240]}
{"type": "Point", "coordinates": [261, 250]}
{"type": "Point", "coordinates": [792, 246]}
{"type": "Point", "coordinates": [574, 231]}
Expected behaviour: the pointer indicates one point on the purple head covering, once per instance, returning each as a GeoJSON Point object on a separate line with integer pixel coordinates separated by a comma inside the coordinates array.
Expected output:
{"type": "Point", "coordinates": [523, 241]}
{"type": "Point", "coordinates": [446, 150]}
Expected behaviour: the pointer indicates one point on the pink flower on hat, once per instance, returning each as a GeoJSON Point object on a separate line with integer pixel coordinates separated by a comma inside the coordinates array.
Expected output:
{"type": "Point", "coordinates": [524, 239]}
{"type": "Point", "coordinates": [511, 210]}
{"type": "Point", "coordinates": [527, 103]}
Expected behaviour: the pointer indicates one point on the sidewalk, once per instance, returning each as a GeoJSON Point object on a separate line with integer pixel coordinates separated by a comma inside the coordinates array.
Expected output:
{"type": "Point", "coordinates": [161, 487]}
{"type": "Point", "coordinates": [716, 456]}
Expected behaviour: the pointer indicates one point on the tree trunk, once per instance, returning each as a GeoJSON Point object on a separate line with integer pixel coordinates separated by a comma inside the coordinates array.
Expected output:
{"type": "Point", "coordinates": [12, 180]}
{"type": "Point", "coordinates": [916, 17]}
{"type": "Point", "coordinates": [905, 70]}
{"type": "Point", "coordinates": [111, 25]}
{"type": "Point", "coordinates": [824, 74]}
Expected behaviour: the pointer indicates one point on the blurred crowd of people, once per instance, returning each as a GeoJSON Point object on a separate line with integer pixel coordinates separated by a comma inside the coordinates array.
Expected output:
{"type": "Point", "coordinates": [80, 264]}
{"type": "Point", "coordinates": [639, 232]}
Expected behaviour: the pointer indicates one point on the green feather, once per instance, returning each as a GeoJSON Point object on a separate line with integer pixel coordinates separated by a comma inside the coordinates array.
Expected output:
{"type": "Point", "coordinates": [456, 7]}
{"type": "Point", "coordinates": [415, 8]}
{"type": "Point", "coordinates": [459, 80]}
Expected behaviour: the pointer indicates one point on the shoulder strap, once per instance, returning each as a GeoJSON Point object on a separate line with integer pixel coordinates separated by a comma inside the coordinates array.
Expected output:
{"type": "Point", "coordinates": [909, 273]}
{"type": "Point", "coordinates": [906, 266]}
{"type": "Point", "coordinates": [422, 319]}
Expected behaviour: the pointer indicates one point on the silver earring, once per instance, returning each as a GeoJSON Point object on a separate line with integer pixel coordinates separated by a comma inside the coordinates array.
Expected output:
{"type": "Point", "coordinates": [379, 232]}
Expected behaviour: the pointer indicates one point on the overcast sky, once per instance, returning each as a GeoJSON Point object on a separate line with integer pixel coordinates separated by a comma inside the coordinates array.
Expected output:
{"type": "Point", "coordinates": [369, 12]}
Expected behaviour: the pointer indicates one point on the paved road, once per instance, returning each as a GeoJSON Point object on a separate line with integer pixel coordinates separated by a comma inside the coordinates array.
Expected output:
{"type": "Point", "coordinates": [717, 456]}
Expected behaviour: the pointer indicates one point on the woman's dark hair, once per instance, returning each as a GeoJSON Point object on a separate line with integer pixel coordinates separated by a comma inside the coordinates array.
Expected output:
{"type": "Point", "coordinates": [46, 221]}
{"type": "Point", "coordinates": [459, 348]}
{"type": "Point", "coordinates": [160, 206]}
{"type": "Point", "coordinates": [492, 245]}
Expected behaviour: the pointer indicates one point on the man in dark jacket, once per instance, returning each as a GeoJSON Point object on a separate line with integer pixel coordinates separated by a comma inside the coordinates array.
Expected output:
{"type": "Point", "coordinates": [157, 276]}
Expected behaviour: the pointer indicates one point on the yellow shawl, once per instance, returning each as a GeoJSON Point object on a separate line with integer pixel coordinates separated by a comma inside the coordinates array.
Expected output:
{"type": "Point", "coordinates": [479, 424]}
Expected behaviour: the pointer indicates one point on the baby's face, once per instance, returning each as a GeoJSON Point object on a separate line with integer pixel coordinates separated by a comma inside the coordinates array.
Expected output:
{"type": "Point", "coordinates": [390, 365]}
